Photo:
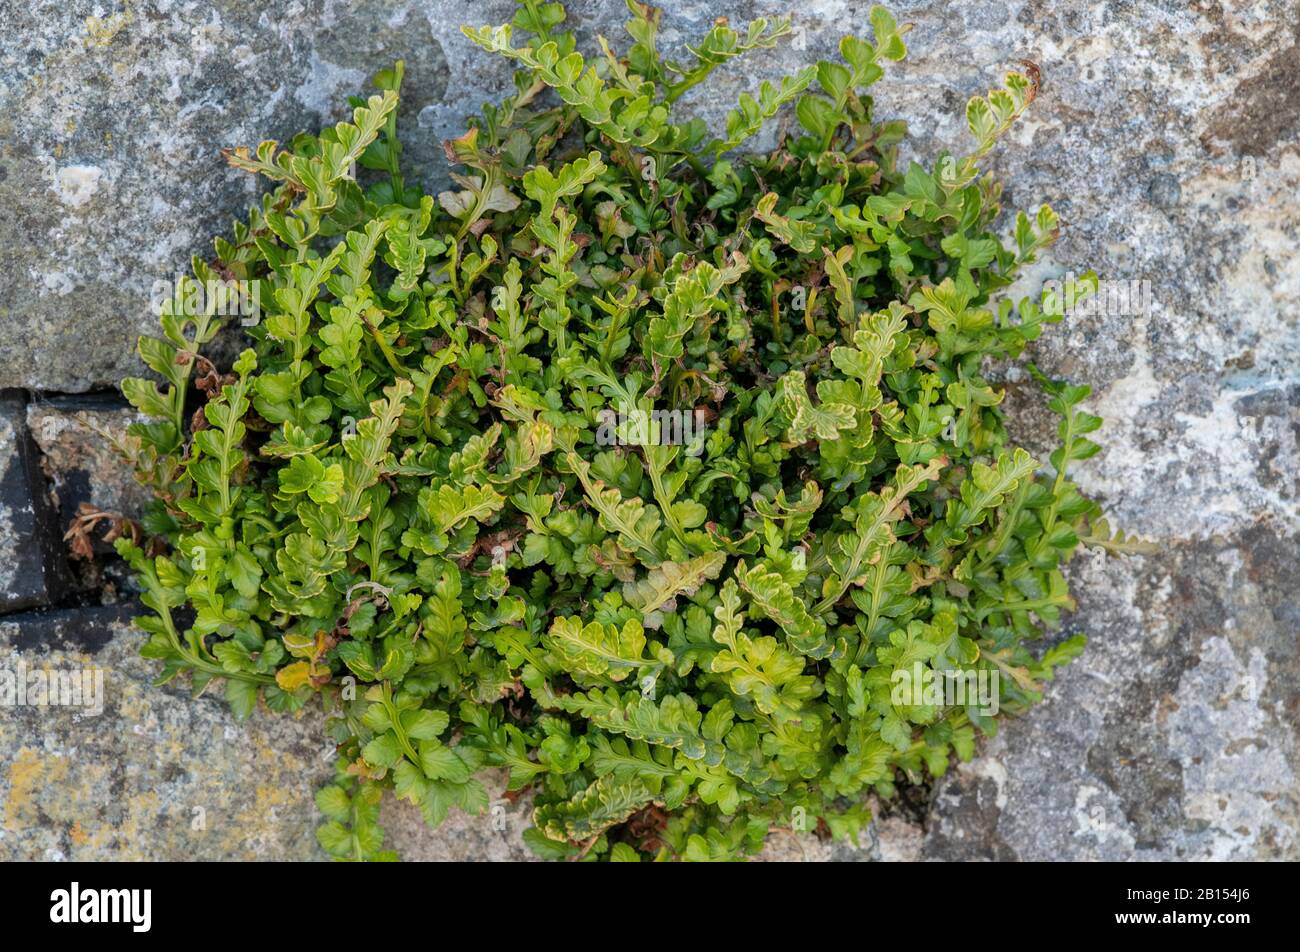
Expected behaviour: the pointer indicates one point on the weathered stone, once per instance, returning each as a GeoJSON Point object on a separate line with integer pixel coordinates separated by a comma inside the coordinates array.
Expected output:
{"type": "Point", "coordinates": [156, 775]}
{"type": "Point", "coordinates": [32, 569]}
{"type": "Point", "coordinates": [495, 837]}
{"type": "Point", "coordinates": [1164, 190]}
{"type": "Point", "coordinates": [1167, 136]}
{"type": "Point", "coordinates": [888, 839]}
{"type": "Point", "coordinates": [86, 629]}
{"type": "Point", "coordinates": [76, 437]}
{"type": "Point", "coordinates": [1174, 737]}
{"type": "Point", "coordinates": [110, 200]}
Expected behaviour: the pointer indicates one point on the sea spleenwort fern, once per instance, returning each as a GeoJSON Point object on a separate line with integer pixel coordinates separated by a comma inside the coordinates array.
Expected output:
{"type": "Point", "coordinates": [398, 505]}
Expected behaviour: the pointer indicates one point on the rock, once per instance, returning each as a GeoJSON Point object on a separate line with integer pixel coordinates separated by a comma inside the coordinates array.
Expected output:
{"type": "Point", "coordinates": [1173, 738]}
{"type": "Point", "coordinates": [113, 200]}
{"type": "Point", "coordinates": [84, 629]}
{"type": "Point", "coordinates": [33, 571]}
{"type": "Point", "coordinates": [494, 837]}
{"type": "Point", "coordinates": [1164, 191]}
{"type": "Point", "coordinates": [76, 438]}
{"type": "Point", "coordinates": [887, 839]}
{"type": "Point", "coordinates": [156, 775]}
{"type": "Point", "coordinates": [1167, 136]}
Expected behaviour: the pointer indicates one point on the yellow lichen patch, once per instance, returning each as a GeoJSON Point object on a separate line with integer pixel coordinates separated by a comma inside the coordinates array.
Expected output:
{"type": "Point", "coordinates": [269, 797]}
{"type": "Point", "coordinates": [142, 816]}
{"type": "Point", "coordinates": [261, 822]}
{"type": "Point", "coordinates": [33, 780]}
{"type": "Point", "coordinates": [100, 31]}
{"type": "Point", "coordinates": [133, 704]}
{"type": "Point", "coordinates": [23, 774]}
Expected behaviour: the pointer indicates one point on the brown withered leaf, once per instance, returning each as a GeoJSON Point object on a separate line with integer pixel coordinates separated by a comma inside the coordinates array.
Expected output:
{"type": "Point", "coordinates": [81, 531]}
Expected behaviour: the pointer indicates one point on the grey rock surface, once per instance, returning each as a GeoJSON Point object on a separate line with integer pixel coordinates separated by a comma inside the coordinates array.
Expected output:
{"type": "Point", "coordinates": [77, 439]}
{"type": "Point", "coordinates": [1167, 136]}
{"type": "Point", "coordinates": [1178, 744]}
{"type": "Point", "coordinates": [137, 772]}
{"type": "Point", "coordinates": [152, 774]}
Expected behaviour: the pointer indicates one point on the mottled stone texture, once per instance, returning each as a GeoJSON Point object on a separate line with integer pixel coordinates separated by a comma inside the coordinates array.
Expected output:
{"type": "Point", "coordinates": [77, 439]}
{"type": "Point", "coordinates": [1174, 736]}
{"type": "Point", "coordinates": [156, 775]}
{"type": "Point", "coordinates": [1166, 134]}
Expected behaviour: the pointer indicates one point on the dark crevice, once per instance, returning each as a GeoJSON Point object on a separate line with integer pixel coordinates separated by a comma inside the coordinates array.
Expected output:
{"type": "Point", "coordinates": [46, 581]}
{"type": "Point", "coordinates": [85, 629]}
{"type": "Point", "coordinates": [72, 402]}
{"type": "Point", "coordinates": [39, 560]}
